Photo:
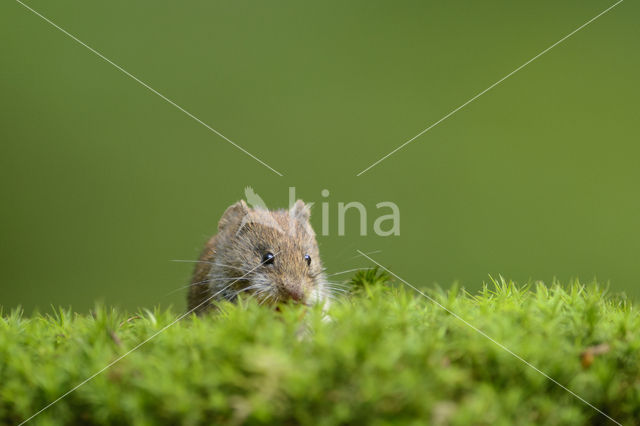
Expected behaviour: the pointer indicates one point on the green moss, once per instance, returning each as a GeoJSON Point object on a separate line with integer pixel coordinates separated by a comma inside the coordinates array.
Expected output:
{"type": "Point", "coordinates": [387, 355]}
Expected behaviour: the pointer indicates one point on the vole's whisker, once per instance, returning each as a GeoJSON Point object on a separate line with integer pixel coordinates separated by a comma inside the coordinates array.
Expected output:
{"type": "Point", "coordinates": [371, 252]}
{"type": "Point", "coordinates": [215, 281]}
{"type": "Point", "coordinates": [208, 262]}
{"type": "Point", "coordinates": [207, 281]}
{"type": "Point", "coordinates": [254, 295]}
{"type": "Point", "coordinates": [269, 296]}
{"type": "Point", "coordinates": [265, 293]}
{"type": "Point", "coordinates": [242, 290]}
{"type": "Point", "coordinates": [347, 271]}
{"type": "Point", "coordinates": [336, 291]}
{"type": "Point", "coordinates": [223, 279]}
{"type": "Point", "coordinates": [331, 296]}
{"type": "Point", "coordinates": [181, 288]}
{"type": "Point", "coordinates": [337, 285]}
{"type": "Point", "coordinates": [252, 286]}
{"type": "Point", "coordinates": [242, 270]}
{"type": "Point", "coordinates": [336, 282]}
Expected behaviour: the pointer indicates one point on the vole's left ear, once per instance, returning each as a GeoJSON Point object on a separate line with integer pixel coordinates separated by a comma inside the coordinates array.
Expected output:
{"type": "Point", "coordinates": [300, 211]}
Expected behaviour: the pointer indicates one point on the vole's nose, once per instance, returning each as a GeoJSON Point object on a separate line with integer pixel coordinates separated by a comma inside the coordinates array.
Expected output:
{"type": "Point", "coordinates": [296, 293]}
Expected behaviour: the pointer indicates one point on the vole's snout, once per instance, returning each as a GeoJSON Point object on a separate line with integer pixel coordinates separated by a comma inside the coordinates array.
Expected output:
{"type": "Point", "coordinates": [295, 293]}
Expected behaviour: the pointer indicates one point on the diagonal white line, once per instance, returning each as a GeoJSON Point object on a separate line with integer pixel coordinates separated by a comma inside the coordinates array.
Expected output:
{"type": "Point", "coordinates": [491, 87]}
{"type": "Point", "coordinates": [500, 345]}
{"type": "Point", "coordinates": [138, 346]}
{"type": "Point", "coordinates": [128, 74]}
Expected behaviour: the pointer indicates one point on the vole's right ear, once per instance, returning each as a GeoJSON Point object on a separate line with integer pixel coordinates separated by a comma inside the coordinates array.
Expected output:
{"type": "Point", "coordinates": [233, 215]}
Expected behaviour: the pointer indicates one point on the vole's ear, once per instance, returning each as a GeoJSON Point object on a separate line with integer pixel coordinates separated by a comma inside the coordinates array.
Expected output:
{"type": "Point", "coordinates": [233, 215]}
{"type": "Point", "coordinates": [300, 211]}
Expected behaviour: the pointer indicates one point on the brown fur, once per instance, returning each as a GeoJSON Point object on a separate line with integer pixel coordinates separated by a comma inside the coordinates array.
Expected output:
{"type": "Point", "coordinates": [232, 260]}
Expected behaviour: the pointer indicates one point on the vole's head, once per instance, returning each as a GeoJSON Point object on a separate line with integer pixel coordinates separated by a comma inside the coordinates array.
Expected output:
{"type": "Point", "coordinates": [273, 255]}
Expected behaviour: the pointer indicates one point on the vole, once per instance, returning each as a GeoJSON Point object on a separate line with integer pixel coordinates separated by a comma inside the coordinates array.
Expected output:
{"type": "Point", "coordinates": [271, 255]}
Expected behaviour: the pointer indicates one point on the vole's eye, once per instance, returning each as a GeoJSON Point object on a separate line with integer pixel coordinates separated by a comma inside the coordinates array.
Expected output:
{"type": "Point", "coordinates": [307, 259]}
{"type": "Point", "coordinates": [267, 259]}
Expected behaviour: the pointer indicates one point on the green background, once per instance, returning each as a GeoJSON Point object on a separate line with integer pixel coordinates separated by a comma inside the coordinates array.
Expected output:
{"type": "Point", "coordinates": [103, 183]}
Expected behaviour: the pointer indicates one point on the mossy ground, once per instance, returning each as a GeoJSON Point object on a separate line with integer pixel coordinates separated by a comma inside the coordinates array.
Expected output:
{"type": "Point", "coordinates": [387, 356]}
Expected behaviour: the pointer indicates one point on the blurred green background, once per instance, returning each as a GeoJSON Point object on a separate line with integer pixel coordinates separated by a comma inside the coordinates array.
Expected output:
{"type": "Point", "coordinates": [103, 183]}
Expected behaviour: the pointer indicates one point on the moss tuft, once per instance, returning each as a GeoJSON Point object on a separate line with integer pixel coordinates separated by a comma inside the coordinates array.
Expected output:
{"type": "Point", "coordinates": [388, 355]}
